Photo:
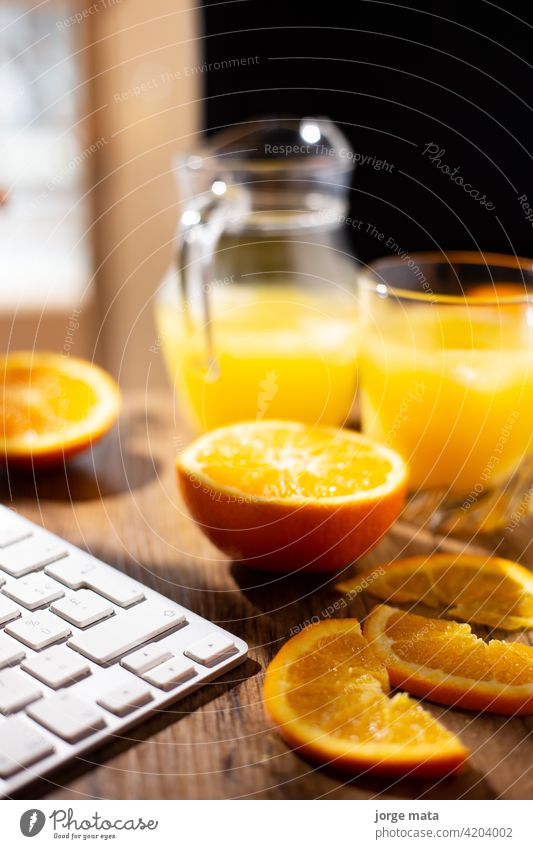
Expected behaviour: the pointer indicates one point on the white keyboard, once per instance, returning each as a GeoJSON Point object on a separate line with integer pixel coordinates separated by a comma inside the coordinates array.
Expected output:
{"type": "Point", "coordinates": [86, 652]}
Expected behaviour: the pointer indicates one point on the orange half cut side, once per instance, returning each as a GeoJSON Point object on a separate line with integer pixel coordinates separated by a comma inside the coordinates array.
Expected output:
{"type": "Point", "coordinates": [52, 406]}
{"type": "Point", "coordinates": [283, 496]}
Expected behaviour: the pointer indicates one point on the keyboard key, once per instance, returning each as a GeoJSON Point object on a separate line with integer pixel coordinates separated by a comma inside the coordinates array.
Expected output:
{"type": "Point", "coordinates": [8, 610]}
{"type": "Point", "coordinates": [34, 590]}
{"type": "Point", "coordinates": [68, 717]}
{"type": "Point", "coordinates": [82, 608]}
{"type": "Point", "coordinates": [125, 699]}
{"type": "Point", "coordinates": [83, 573]}
{"type": "Point", "coordinates": [16, 691]}
{"type": "Point", "coordinates": [57, 667]}
{"type": "Point", "coordinates": [10, 651]}
{"type": "Point", "coordinates": [212, 649]}
{"type": "Point", "coordinates": [13, 532]}
{"type": "Point", "coordinates": [30, 555]}
{"type": "Point", "coordinates": [21, 745]}
{"type": "Point", "coordinates": [3, 578]}
{"type": "Point", "coordinates": [171, 673]}
{"type": "Point", "coordinates": [39, 630]}
{"type": "Point", "coordinates": [146, 658]}
{"type": "Point", "coordinates": [108, 640]}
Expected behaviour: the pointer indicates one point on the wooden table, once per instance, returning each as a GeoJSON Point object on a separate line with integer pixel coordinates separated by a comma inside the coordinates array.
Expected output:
{"type": "Point", "coordinates": [121, 503]}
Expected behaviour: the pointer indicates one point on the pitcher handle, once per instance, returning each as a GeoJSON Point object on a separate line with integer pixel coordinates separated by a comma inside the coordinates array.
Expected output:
{"type": "Point", "coordinates": [201, 226]}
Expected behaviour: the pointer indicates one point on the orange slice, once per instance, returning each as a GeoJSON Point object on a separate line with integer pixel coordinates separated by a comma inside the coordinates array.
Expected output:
{"type": "Point", "coordinates": [52, 406]}
{"type": "Point", "coordinates": [280, 495]}
{"type": "Point", "coordinates": [487, 590]}
{"type": "Point", "coordinates": [446, 663]}
{"type": "Point", "coordinates": [326, 691]}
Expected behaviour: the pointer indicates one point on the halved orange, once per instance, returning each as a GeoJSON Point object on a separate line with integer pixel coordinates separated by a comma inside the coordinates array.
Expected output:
{"type": "Point", "coordinates": [475, 588]}
{"type": "Point", "coordinates": [326, 691]}
{"type": "Point", "coordinates": [281, 495]}
{"type": "Point", "coordinates": [446, 663]}
{"type": "Point", "coordinates": [52, 406]}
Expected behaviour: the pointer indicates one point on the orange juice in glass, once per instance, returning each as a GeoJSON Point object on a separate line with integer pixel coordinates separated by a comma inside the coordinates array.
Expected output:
{"type": "Point", "coordinates": [447, 369]}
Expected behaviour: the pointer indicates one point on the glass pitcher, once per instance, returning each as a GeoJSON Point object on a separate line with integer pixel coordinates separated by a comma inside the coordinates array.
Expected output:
{"type": "Point", "coordinates": [258, 316]}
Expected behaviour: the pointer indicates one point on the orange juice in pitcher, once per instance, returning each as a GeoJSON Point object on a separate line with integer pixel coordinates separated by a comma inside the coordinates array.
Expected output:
{"type": "Point", "coordinates": [260, 317]}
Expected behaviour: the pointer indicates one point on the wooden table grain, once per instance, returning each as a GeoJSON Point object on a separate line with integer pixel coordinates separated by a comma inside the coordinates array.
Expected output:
{"type": "Point", "coordinates": [120, 502]}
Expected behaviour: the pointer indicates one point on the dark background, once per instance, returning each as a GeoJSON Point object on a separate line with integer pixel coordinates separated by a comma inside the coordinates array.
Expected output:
{"type": "Point", "coordinates": [395, 78]}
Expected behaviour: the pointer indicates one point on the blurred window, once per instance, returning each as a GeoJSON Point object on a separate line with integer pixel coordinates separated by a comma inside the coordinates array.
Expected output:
{"type": "Point", "coordinates": [44, 157]}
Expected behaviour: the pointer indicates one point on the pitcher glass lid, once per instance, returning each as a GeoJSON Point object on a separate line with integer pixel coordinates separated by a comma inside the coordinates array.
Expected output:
{"type": "Point", "coordinates": [311, 149]}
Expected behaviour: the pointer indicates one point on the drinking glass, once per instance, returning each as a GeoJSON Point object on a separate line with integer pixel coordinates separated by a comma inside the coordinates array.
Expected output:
{"type": "Point", "coordinates": [447, 380]}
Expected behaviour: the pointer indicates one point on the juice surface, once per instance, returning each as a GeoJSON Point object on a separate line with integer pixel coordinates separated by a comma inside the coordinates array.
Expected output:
{"type": "Point", "coordinates": [279, 352]}
{"type": "Point", "coordinates": [451, 388]}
